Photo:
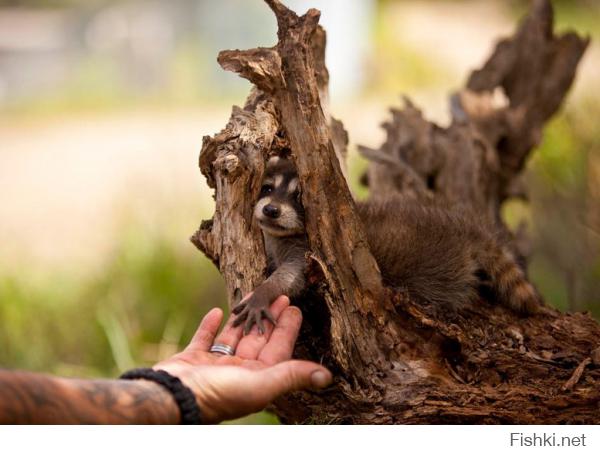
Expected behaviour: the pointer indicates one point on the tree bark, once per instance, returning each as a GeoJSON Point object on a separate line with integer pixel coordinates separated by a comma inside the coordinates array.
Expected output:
{"type": "Point", "coordinates": [396, 360]}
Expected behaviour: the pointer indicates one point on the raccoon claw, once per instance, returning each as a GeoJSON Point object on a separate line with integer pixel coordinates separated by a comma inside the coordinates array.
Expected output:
{"type": "Point", "coordinates": [254, 318]}
{"type": "Point", "coordinates": [238, 308]}
{"type": "Point", "coordinates": [252, 312]}
{"type": "Point", "coordinates": [267, 315]}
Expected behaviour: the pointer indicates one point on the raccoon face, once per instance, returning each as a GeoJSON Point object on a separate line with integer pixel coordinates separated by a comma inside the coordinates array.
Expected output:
{"type": "Point", "coordinates": [279, 209]}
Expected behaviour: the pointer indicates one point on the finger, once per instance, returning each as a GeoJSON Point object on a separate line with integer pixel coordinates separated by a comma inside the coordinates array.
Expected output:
{"type": "Point", "coordinates": [294, 375]}
{"type": "Point", "coordinates": [205, 334]}
{"type": "Point", "coordinates": [281, 343]}
{"type": "Point", "coordinates": [250, 346]}
{"type": "Point", "coordinates": [230, 335]}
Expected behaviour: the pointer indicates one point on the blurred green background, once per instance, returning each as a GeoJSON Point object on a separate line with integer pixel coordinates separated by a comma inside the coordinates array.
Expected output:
{"type": "Point", "coordinates": [103, 105]}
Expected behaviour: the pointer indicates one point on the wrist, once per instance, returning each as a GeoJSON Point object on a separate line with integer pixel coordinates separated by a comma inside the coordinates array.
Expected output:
{"type": "Point", "coordinates": [203, 395]}
{"type": "Point", "coordinates": [183, 397]}
{"type": "Point", "coordinates": [202, 391]}
{"type": "Point", "coordinates": [170, 414]}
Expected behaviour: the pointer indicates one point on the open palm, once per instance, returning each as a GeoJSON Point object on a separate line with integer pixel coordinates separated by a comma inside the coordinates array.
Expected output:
{"type": "Point", "coordinates": [226, 386]}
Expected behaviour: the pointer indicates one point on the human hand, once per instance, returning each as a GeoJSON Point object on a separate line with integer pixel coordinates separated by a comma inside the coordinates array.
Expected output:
{"type": "Point", "coordinates": [227, 387]}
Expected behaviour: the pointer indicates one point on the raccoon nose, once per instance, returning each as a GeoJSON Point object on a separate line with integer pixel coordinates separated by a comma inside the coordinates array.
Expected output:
{"type": "Point", "coordinates": [271, 211]}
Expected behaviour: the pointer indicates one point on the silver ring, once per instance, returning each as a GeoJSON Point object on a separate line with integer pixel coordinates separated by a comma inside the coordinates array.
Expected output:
{"type": "Point", "coordinates": [221, 348]}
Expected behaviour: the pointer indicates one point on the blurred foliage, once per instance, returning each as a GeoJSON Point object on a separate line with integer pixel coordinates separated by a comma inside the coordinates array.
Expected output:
{"type": "Point", "coordinates": [580, 15]}
{"type": "Point", "coordinates": [142, 306]}
{"type": "Point", "coordinates": [565, 210]}
{"type": "Point", "coordinates": [391, 73]}
{"type": "Point", "coordinates": [54, 3]}
{"type": "Point", "coordinates": [97, 83]}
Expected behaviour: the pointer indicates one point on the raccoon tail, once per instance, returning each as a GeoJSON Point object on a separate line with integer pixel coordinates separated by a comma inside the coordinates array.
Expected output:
{"type": "Point", "coordinates": [508, 281]}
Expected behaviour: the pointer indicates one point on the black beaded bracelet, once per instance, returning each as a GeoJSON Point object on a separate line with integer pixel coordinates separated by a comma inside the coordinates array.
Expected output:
{"type": "Point", "coordinates": [183, 395]}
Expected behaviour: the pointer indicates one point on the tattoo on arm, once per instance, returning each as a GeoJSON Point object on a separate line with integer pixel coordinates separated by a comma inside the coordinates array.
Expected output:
{"type": "Point", "coordinates": [29, 398]}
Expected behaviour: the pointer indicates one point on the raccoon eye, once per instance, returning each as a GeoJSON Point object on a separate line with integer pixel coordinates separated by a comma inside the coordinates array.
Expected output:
{"type": "Point", "coordinates": [266, 189]}
{"type": "Point", "coordinates": [298, 197]}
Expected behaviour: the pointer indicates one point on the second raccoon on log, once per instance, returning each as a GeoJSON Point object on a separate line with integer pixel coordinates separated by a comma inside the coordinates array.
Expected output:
{"type": "Point", "coordinates": [439, 255]}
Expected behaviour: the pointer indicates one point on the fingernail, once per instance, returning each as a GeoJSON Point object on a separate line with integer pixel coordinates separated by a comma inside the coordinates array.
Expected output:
{"type": "Point", "coordinates": [320, 379]}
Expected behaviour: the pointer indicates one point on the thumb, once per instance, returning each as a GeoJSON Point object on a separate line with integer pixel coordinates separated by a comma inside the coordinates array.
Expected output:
{"type": "Point", "coordinates": [295, 375]}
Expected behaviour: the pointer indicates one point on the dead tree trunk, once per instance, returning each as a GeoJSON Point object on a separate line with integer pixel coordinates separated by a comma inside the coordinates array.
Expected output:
{"type": "Point", "coordinates": [395, 360]}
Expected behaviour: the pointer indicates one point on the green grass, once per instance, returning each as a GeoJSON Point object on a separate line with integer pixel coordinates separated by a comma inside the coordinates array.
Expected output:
{"type": "Point", "coordinates": [143, 306]}
{"type": "Point", "coordinates": [564, 210]}
{"type": "Point", "coordinates": [145, 302]}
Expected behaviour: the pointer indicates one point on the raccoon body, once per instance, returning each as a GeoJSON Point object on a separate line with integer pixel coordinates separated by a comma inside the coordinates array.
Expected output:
{"type": "Point", "coordinates": [439, 255]}
{"type": "Point", "coordinates": [443, 256]}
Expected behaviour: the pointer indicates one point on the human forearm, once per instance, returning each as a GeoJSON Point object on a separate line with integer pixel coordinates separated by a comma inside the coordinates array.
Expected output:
{"type": "Point", "coordinates": [28, 398]}
{"type": "Point", "coordinates": [225, 386]}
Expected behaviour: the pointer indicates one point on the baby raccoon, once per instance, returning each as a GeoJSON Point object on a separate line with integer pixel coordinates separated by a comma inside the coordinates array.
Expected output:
{"type": "Point", "coordinates": [280, 215]}
{"type": "Point", "coordinates": [441, 256]}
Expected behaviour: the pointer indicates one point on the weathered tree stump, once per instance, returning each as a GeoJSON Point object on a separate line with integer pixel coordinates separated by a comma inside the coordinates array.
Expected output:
{"type": "Point", "coordinates": [396, 360]}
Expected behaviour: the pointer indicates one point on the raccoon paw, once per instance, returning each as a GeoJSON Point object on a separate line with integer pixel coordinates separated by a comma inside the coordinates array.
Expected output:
{"type": "Point", "coordinates": [253, 310]}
